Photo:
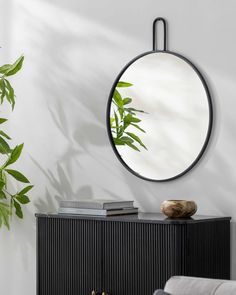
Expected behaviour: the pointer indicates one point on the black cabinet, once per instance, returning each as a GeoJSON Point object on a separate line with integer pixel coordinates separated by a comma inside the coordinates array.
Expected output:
{"type": "Point", "coordinates": [129, 255]}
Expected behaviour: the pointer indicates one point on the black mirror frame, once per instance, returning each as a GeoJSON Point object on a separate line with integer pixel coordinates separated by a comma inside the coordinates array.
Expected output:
{"type": "Point", "coordinates": [210, 106]}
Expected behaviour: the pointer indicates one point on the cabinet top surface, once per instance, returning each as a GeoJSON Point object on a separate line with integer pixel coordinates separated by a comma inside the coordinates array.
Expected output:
{"type": "Point", "coordinates": [141, 217]}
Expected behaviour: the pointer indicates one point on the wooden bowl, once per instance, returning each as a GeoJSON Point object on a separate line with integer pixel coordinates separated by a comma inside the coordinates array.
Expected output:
{"type": "Point", "coordinates": [178, 208]}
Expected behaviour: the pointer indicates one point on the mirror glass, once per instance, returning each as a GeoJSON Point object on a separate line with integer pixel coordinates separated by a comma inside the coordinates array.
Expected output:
{"type": "Point", "coordinates": [159, 116]}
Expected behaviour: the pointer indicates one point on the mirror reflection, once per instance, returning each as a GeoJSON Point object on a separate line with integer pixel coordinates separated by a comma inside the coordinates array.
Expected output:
{"type": "Point", "coordinates": [159, 116]}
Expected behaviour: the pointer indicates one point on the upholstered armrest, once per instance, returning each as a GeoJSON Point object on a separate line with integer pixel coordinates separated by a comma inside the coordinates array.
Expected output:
{"type": "Point", "coordinates": [161, 292]}
{"type": "Point", "coordinates": [180, 285]}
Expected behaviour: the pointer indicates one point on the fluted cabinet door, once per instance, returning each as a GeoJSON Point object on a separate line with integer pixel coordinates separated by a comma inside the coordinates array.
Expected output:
{"type": "Point", "coordinates": [69, 256]}
{"type": "Point", "coordinates": [139, 258]}
{"type": "Point", "coordinates": [119, 258]}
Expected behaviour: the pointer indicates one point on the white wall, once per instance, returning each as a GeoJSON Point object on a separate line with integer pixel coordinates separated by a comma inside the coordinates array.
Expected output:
{"type": "Point", "coordinates": [74, 50]}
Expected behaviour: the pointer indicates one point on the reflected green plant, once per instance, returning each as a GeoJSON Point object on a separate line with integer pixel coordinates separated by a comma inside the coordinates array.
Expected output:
{"type": "Point", "coordinates": [8, 200]}
{"type": "Point", "coordinates": [123, 118]}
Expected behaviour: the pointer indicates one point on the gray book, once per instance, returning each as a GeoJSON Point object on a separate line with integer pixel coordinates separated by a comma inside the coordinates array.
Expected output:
{"type": "Point", "coordinates": [98, 212]}
{"type": "Point", "coordinates": [97, 204]}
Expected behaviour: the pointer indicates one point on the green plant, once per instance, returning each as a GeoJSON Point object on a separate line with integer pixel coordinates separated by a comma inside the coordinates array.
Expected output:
{"type": "Point", "coordinates": [124, 117]}
{"type": "Point", "coordinates": [9, 200]}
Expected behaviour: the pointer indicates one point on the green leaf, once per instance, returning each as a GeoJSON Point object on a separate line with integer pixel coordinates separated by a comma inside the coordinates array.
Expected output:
{"type": "Point", "coordinates": [120, 131]}
{"type": "Point", "coordinates": [5, 214]}
{"type": "Point", "coordinates": [117, 123]}
{"type": "Point", "coordinates": [5, 135]}
{"type": "Point", "coordinates": [135, 110]}
{"type": "Point", "coordinates": [123, 84]}
{"type": "Point", "coordinates": [7, 93]}
{"type": "Point", "coordinates": [126, 139]}
{"type": "Point", "coordinates": [17, 175]}
{"type": "Point", "coordinates": [4, 68]}
{"type": "Point", "coordinates": [2, 184]}
{"type": "Point", "coordinates": [15, 154]}
{"type": "Point", "coordinates": [121, 112]}
{"type": "Point", "coordinates": [118, 141]}
{"type": "Point", "coordinates": [112, 120]}
{"type": "Point", "coordinates": [4, 205]}
{"type": "Point", "coordinates": [130, 119]}
{"type": "Point", "coordinates": [2, 120]}
{"type": "Point", "coordinates": [17, 206]}
{"type": "Point", "coordinates": [127, 110]}
{"type": "Point", "coordinates": [4, 147]}
{"type": "Point", "coordinates": [2, 195]}
{"type": "Point", "coordinates": [10, 94]}
{"type": "Point", "coordinates": [136, 126]}
{"type": "Point", "coordinates": [118, 99]}
{"type": "Point", "coordinates": [127, 100]}
{"type": "Point", "coordinates": [23, 199]}
{"type": "Point", "coordinates": [136, 138]}
{"type": "Point", "coordinates": [133, 146]}
{"type": "Point", "coordinates": [25, 190]}
{"type": "Point", "coordinates": [3, 178]}
{"type": "Point", "coordinates": [3, 90]}
{"type": "Point", "coordinates": [135, 120]}
{"type": "Point", "coordinates": [14, 68]}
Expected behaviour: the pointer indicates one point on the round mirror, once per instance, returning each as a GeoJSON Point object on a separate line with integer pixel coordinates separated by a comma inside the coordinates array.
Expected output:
{"type": "Point", "coordinates": [159, 116]}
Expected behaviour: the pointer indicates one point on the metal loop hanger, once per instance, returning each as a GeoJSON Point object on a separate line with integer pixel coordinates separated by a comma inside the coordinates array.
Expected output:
{"type": "Point", "coordinates": [154, 31]}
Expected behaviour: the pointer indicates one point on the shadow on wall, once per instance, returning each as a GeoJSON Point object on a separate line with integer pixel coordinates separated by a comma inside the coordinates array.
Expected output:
{"type": "Point", "coordinates": [75, 62]}
{"type": "Point", "coordinates": [71, 86]}
{"type": "Point", "coordinates": [83, 58]}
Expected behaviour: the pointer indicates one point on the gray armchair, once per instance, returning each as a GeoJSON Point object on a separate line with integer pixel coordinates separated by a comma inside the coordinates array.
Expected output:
{"type": "Point", "coordinates": [180, 285]}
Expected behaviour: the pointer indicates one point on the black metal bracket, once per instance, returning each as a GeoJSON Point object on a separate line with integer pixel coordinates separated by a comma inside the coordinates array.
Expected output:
{"type": "Point", "coordinates": [154, 29]}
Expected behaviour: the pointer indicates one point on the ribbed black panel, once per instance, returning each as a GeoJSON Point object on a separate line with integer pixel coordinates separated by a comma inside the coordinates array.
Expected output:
{"type": "Point", "coordinates": [76, 255]}
{"type": "Point", "coordinates": [208, 250]}
{"type": "Point", "coordinates": [138, 258]}
{"type": "Point", "coordinates": [69, 256]}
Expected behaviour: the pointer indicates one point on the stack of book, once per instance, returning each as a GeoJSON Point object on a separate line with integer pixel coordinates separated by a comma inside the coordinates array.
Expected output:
{"type": "Point", "coordinates": [97, 207]}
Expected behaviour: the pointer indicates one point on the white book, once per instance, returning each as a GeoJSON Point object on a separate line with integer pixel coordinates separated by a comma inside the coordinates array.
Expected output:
{"type": "Point", "coordinates": [98, 212]}
{"type": "Point", "coordinates": [97, 204]}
